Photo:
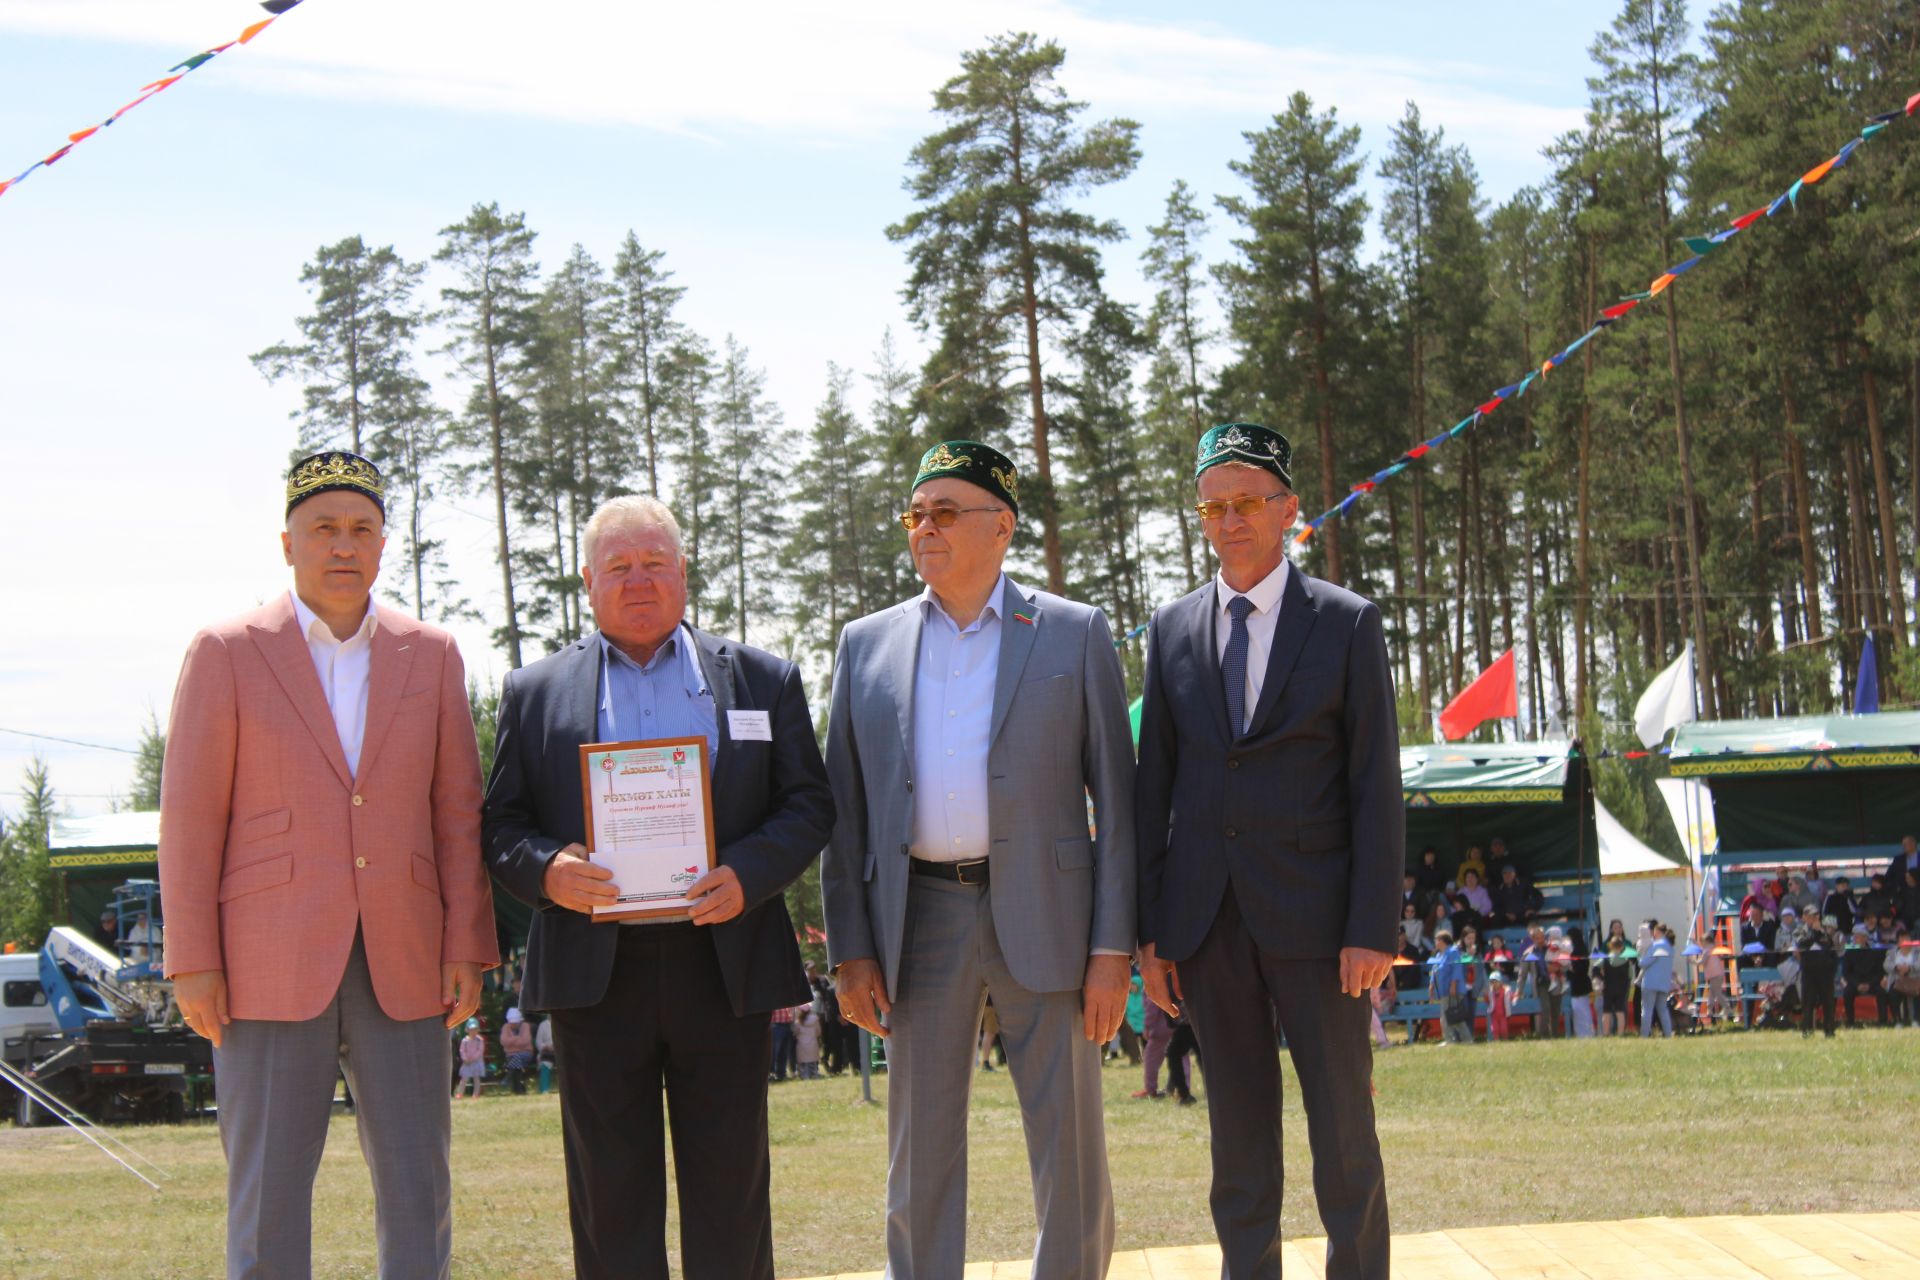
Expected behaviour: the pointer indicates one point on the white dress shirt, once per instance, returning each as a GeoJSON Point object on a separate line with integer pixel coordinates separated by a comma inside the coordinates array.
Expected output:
{"type": "Point", "coordinates": [952, 718]}
{"type": "Point", "coordinates": [343, 667]}
{"type": "Point", "coordinates": [1260, 624]}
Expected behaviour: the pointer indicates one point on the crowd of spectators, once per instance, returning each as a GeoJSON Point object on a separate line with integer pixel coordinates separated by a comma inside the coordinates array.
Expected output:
{"type": "Point", "coordinates": [1832, 946]}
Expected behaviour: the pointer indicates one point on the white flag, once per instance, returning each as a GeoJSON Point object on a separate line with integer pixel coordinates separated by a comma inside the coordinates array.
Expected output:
{"type": "Point", "coordinates": [1668, 701]}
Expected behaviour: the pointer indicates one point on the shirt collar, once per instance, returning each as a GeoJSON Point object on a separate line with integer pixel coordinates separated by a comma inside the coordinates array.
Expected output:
{"type": "Point", "coordinates": [671, 649]}
{"type": "Point", "coordinates": [308, 620]}
{"type": "Point", "coordinates": [994, 609]}
{"type": "Point", "coordinates": [1265, 595]}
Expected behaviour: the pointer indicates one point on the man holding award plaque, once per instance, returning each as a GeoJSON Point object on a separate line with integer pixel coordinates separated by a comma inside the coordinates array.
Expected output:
{"type": "Point", "coordinates": [654, 790]}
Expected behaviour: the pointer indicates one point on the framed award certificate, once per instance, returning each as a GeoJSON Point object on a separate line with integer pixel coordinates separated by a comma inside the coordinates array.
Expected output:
{"type": "Point", "coordinates": [649, 813]}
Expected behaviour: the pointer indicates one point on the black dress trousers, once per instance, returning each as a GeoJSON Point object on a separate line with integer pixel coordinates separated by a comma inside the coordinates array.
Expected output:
{"type": "Point", "coordinates": [665, 1023]}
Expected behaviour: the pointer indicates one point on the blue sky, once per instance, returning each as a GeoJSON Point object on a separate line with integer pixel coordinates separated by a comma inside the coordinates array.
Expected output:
{"type": "Point", "coordinates": [760, 146]}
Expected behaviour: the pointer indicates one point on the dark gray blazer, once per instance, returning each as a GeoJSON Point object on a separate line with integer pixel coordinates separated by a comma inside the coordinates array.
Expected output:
{"type": "Point", "coordinates": [772, 813]}
{"type": "Point", "coordinates": [1059, 736]}
{"type": "Point", "coordinates": [1303, 814]}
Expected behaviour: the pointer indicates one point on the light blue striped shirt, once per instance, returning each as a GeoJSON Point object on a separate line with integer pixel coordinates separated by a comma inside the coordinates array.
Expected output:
{"type": "Point", "coordinates": [665, 698]}
{"type": "Point", "coordinates": [952, 719]}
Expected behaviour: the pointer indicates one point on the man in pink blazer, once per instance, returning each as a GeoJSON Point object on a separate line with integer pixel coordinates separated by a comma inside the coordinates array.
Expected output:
{"type": "Point", "coordinates": [326, 908]}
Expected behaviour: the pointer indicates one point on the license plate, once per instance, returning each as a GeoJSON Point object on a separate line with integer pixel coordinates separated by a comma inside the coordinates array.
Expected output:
{"type": "Point", "coordinates": [166, 1068]}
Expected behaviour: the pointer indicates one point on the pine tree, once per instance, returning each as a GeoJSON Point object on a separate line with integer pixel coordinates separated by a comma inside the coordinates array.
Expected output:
{"type": "Point", "coordinates": [1412, 169]}
{"type": "Point", "coordinates": [494, 325]}
{"type": "Point", "coordinates": [641, 335]}
{"type": "Point", "coordinates": [578, 458]}
{"type": "Point", "coordinates": [999, 256]}
{"type": "Point", "coordinates": [26, 875]}
{"type": "Point", "coordinates": [1101, 429]}
{"type": "Point", "coordinates": [824, 549]}
{"type": "Point", "coordinates": [895, 444]}
{"type": "Point", "coordinates": [1291, 291]}
{"type": "Point", "coordinates": [361, 393]}
{"type": "Point", "coordinates": [746, 426]}
{"type": "Point", "coordinates": [1644, 88]}
{"type": "Point", "coordinates": [151, 755]}
{"type": "Point", "coordinates": [358, 335]}
{"type": "Point", "coordinates": [1177, 376]}
{"type": "Point", "coordinates": [688, 376]}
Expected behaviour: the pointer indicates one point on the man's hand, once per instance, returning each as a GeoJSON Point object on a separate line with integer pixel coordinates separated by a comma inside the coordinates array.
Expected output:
{"type": "Point", "coordinates": [202, 1000]}
{"type": "Point", "coordinates": [863, 996]}
{"type": "Point", "coordinates": [577, 884]}
{"type": "Point", "coordinates": [1103, 996]}
{"type": "Point", "coordinates": [1362, 970]}
{"type": "Point", "coordinates": [717, 896]}
{"type": "Point", "coordinates": [459, 990]}
{"type": "Point", "coordinates": [1159, 981]}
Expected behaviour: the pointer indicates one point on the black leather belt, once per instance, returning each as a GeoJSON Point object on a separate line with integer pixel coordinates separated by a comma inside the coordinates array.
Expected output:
{"type": "Point", "coordinates": [973, 871]}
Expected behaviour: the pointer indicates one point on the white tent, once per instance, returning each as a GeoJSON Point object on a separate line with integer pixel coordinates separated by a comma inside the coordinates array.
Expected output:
{"type": "Point", "coordinates": [1635, 882]}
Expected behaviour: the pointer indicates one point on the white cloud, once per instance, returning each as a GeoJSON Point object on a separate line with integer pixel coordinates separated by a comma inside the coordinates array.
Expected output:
{"type": "Point", "coordinates": [817, 71]}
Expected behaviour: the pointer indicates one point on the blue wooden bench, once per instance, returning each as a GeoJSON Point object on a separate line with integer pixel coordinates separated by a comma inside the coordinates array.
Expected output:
{"type": "Point", "coordinates": [1750, 981]}
{"type": "Point", "coordinates": [1409, 1013]}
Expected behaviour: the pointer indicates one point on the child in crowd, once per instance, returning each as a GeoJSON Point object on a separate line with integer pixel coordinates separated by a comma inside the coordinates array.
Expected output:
{"type": "Point", "coordinates": [473, 1060]}
{"type": "Point", "coordinates": [806, 1041]}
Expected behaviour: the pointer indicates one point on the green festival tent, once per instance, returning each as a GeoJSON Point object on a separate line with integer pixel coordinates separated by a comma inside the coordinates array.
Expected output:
{"type": "Point", "coordinates": [1807, 782]}
{"type": "Point", "coordinates": [91, 857]}
{"type": "Point", "coordinates": [1535, 795]}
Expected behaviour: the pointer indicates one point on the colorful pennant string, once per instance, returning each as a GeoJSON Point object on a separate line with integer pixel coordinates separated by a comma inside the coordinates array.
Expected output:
{"type": "Point", "coordinates": [174, 74]}
{"type": "Point", "coordinates": [1701, 247]}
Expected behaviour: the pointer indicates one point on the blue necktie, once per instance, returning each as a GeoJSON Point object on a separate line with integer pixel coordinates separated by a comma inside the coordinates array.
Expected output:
{"type": "Point", "coordinates": [1233, 667]}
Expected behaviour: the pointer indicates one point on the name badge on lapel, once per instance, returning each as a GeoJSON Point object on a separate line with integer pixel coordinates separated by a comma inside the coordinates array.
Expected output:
{"type": "Point", "coordinates": [750, 726]}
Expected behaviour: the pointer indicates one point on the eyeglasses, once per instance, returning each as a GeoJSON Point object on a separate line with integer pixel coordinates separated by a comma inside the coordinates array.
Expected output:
{"type": "Point", "coordinates": [1245, 507]}
{"type": "Point", "coordinates": [942, 517]}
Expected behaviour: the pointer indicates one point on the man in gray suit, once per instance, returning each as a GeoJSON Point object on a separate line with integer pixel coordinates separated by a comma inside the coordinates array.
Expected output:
{"type": "Point", "coordinates": [969, 726]}
{"type": "Point", "coordinates": [1272, 846]}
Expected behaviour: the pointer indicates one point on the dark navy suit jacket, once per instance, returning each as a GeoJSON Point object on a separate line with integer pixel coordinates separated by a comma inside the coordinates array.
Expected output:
{"type": "Point", "coordinates": [772, 813]}
{"type": "Point", "coordinates": [1303, 813]}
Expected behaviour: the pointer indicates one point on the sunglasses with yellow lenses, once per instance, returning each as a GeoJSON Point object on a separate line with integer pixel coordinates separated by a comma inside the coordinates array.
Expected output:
{"type": "Point", "coordinates": [1245, 507]}
{"type": "Point", "coordinates": [942, 517]}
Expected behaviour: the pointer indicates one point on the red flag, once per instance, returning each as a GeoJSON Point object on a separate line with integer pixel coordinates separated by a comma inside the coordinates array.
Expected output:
{"type": "Point", "coordinates": [1495, 694]}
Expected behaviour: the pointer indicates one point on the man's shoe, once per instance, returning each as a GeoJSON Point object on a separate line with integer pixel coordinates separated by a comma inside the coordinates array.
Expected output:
{"type": "Point", "coordinates": [1143, 1093]}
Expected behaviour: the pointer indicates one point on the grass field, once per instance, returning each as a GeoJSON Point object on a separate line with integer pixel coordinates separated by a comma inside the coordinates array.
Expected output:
{"type": "Point", "coordinates": [1508, 1133]}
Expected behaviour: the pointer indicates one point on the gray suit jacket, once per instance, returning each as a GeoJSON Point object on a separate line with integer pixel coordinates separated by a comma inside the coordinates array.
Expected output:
{"type": "Point", "coordinates": [1059, 733]}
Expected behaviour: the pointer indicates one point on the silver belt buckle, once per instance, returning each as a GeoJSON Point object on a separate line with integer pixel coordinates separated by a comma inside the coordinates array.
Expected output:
{"type": "Point", "coordinates": [961, 871]}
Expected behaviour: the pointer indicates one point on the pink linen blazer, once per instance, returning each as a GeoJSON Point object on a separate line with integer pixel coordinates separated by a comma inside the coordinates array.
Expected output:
{"type": "Point", "coordinates": [272, 854]}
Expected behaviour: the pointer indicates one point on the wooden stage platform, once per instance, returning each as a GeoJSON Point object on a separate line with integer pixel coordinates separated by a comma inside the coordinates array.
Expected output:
{"type": "Point", "coordinates": [1840, 1246]}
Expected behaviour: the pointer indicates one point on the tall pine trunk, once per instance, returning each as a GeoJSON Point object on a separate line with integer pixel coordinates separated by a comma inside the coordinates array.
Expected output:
{"type": "Point", "coordinates": [497, 450]}
{"type": "Point", "coordinates": [1582, 558]}
{"type": "Point", "coordinates": [1036, 384]}
{"type": "Point", "coordinates": [1883, 497]}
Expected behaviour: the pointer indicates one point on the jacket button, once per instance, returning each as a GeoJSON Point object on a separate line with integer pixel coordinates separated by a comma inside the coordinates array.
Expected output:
{"type": "Point", "coordinates": [1231, 833]}
{"type": "Point", "coordinates": [360, 862]}
{"type": "Point", "coordinates": [359, 800]}
{"type": "Point", "coordinates": [1233, 764]}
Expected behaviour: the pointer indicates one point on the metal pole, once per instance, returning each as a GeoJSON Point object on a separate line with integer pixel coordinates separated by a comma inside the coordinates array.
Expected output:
{"type": "Point", "coordinates": [59, 1106]}
{"type": "Point", "coordinates": [58, 1110]}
